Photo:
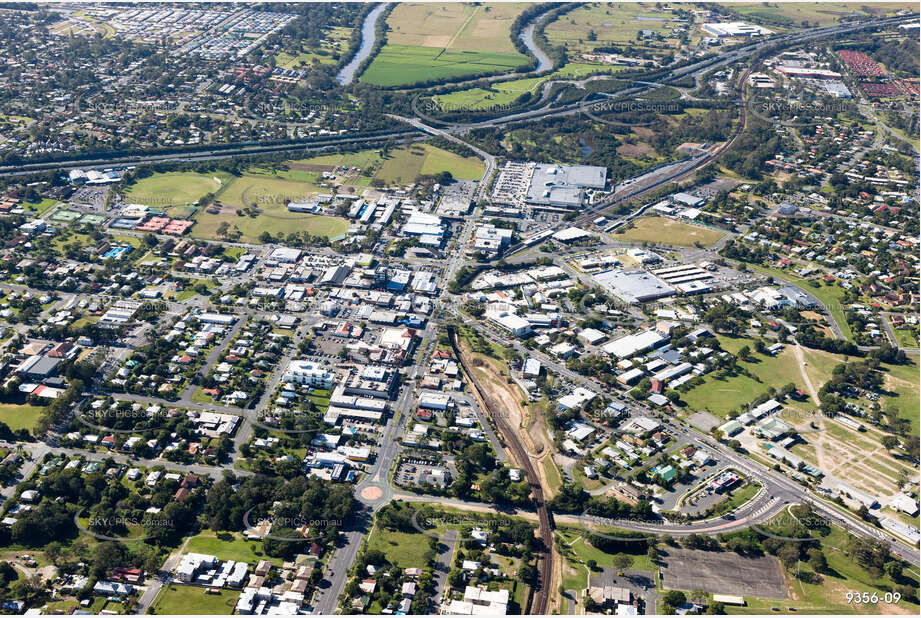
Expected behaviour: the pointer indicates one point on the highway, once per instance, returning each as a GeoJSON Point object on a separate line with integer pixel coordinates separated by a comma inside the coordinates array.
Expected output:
{"type": "Point", "coordinates": [208, 152]}
{"type": "Point", "coordinates": [694, 69]}
{"type": "Point", "coordinates": [220, 151]}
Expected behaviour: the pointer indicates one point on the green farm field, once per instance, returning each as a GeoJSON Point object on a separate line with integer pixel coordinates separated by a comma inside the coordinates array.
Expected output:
{"type": "Point", "coordinates": [445, 40]}
{"type": "Point", "coordinates": [397, 65]}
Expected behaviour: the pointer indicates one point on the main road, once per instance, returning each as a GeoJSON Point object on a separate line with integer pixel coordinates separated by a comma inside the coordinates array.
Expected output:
{"type": "Point", "coordinates": [778, 486]}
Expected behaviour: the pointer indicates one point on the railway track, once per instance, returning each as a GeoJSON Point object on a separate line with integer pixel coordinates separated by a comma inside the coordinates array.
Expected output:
{"type": "Point", "coordinates": [709, 158]}
{"type": "Point", "coordinates": [540, 600]}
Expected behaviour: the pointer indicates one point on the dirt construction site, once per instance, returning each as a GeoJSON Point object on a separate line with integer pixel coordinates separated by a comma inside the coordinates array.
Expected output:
{"type": "Point", "coordinates": [494, 381]}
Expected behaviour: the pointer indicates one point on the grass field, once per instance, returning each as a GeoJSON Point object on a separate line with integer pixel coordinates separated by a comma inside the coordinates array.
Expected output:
{"type": "Point", "coordinates": [904, 382]}
{"type": "Point", "coordinates": [819, 365]}
{"type": "Point", "coordinates": [455, 26]}
{"type": "Point", "coordinates": [554, 480]}
{"type": "Point", "coordinates": [270, 196]}
{"type": "Point", "coordinates": [174, 188]}
{"type": "Point", "coordinates": [20, 416]}
{"type": "Point", "coordinates": [500, 93]}
{"type": "Point", "coordinates": [817, 13]}
{"type": "Point", "coordinates": [336, 40]}
{"type": "Point", "coordinates": [40, 207]}
{"type": "Point", "coordinates": [828, 596]}
{"type": "Point", "coordinates": [611, 24]}
{"type": "Point", "coordinates": [397, 65]}
{"type": "Point", "coordinates": [581, 69]}
{"type": "Point", "coordinates": [504, 93]}
{"type": "Point", "coordinates": [275, 220]}
{"type": "Point", "coordinates": [403, 549]}
{"type": "Point", "coordinates": [193, 600]}
{"type": "Point", "coordinates": [238, 549]}
{"type": "Point", "coordinates": [402, 165]}
{"type": "Point", "coordinates": [585, 551]}
{"type": "Point", "coordinates": [721, 396]}
{"type": "Point", "coordinates": [262, 190]}
{"type": "Point", "coordinates": [669, 232]}
{"type": "Point", "coordinates": [906, 338]}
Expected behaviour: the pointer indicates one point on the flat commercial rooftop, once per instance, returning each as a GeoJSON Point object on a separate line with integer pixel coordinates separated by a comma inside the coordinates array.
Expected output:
{"type": "Point", "coordinates": [634, 287]}
{"type": "Point", "coordinates": [562, 185]}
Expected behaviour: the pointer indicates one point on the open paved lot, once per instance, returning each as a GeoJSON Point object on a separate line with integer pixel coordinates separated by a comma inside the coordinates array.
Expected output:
{"type": "Point", "coordinates": [704, 421]}
{"type": "Point", "coordinates": [722, 573]}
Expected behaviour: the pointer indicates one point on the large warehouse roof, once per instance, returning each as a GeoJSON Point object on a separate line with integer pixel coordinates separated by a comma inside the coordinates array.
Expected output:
{"type": "Point", "coordinates": [634, 287]}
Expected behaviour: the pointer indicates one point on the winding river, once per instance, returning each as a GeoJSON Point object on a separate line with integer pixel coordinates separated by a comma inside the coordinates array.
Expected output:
{"type": "Point", "coordinates": [527, 36]}
{"type": "Point", "coordinates": [368, 36]}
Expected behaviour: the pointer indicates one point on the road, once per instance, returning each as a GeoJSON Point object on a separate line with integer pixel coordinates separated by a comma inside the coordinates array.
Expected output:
{"type": "Point", "coordinates": [206, 153]}
{"type": "Point", "coordinates": [160, 579]}
{"type": "Point", "coordinates": [777, 485]}
{"type": "Point", "coordinates": [375, 489]}
{"type": "Point", "coordinates": [694, 69]}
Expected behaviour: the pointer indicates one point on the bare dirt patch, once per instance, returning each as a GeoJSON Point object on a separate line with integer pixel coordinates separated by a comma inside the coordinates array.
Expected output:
{"type": "Point", "coordinates": [311, 167]}
{"type": "Point", "coordinates": [634, 150]}
{"type": "Point", "coordinates": [643, 132]}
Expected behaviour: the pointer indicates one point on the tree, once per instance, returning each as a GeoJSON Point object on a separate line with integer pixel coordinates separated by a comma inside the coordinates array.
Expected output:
{"type": "Point", "coordinates": [893, 569]}
{"type": "Point", "coordinates": [622, 561]}
{"type": "Point", "coordinates": [788, 555]}
{"type": "Point", "coordinates": [716, 608]}
{"type": "Point", "coordinates": [527, 573]}
{"type": "Point", "coordinates": [889, 442]}
{"type": "Point", "coordinates": [456, 578]}
{"type": "Point", "coordinates": [673, 599]}
{"type": "Point", "coordinates": [817, 560]}
{"type": "Point", "coordinates": [591, 564]}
